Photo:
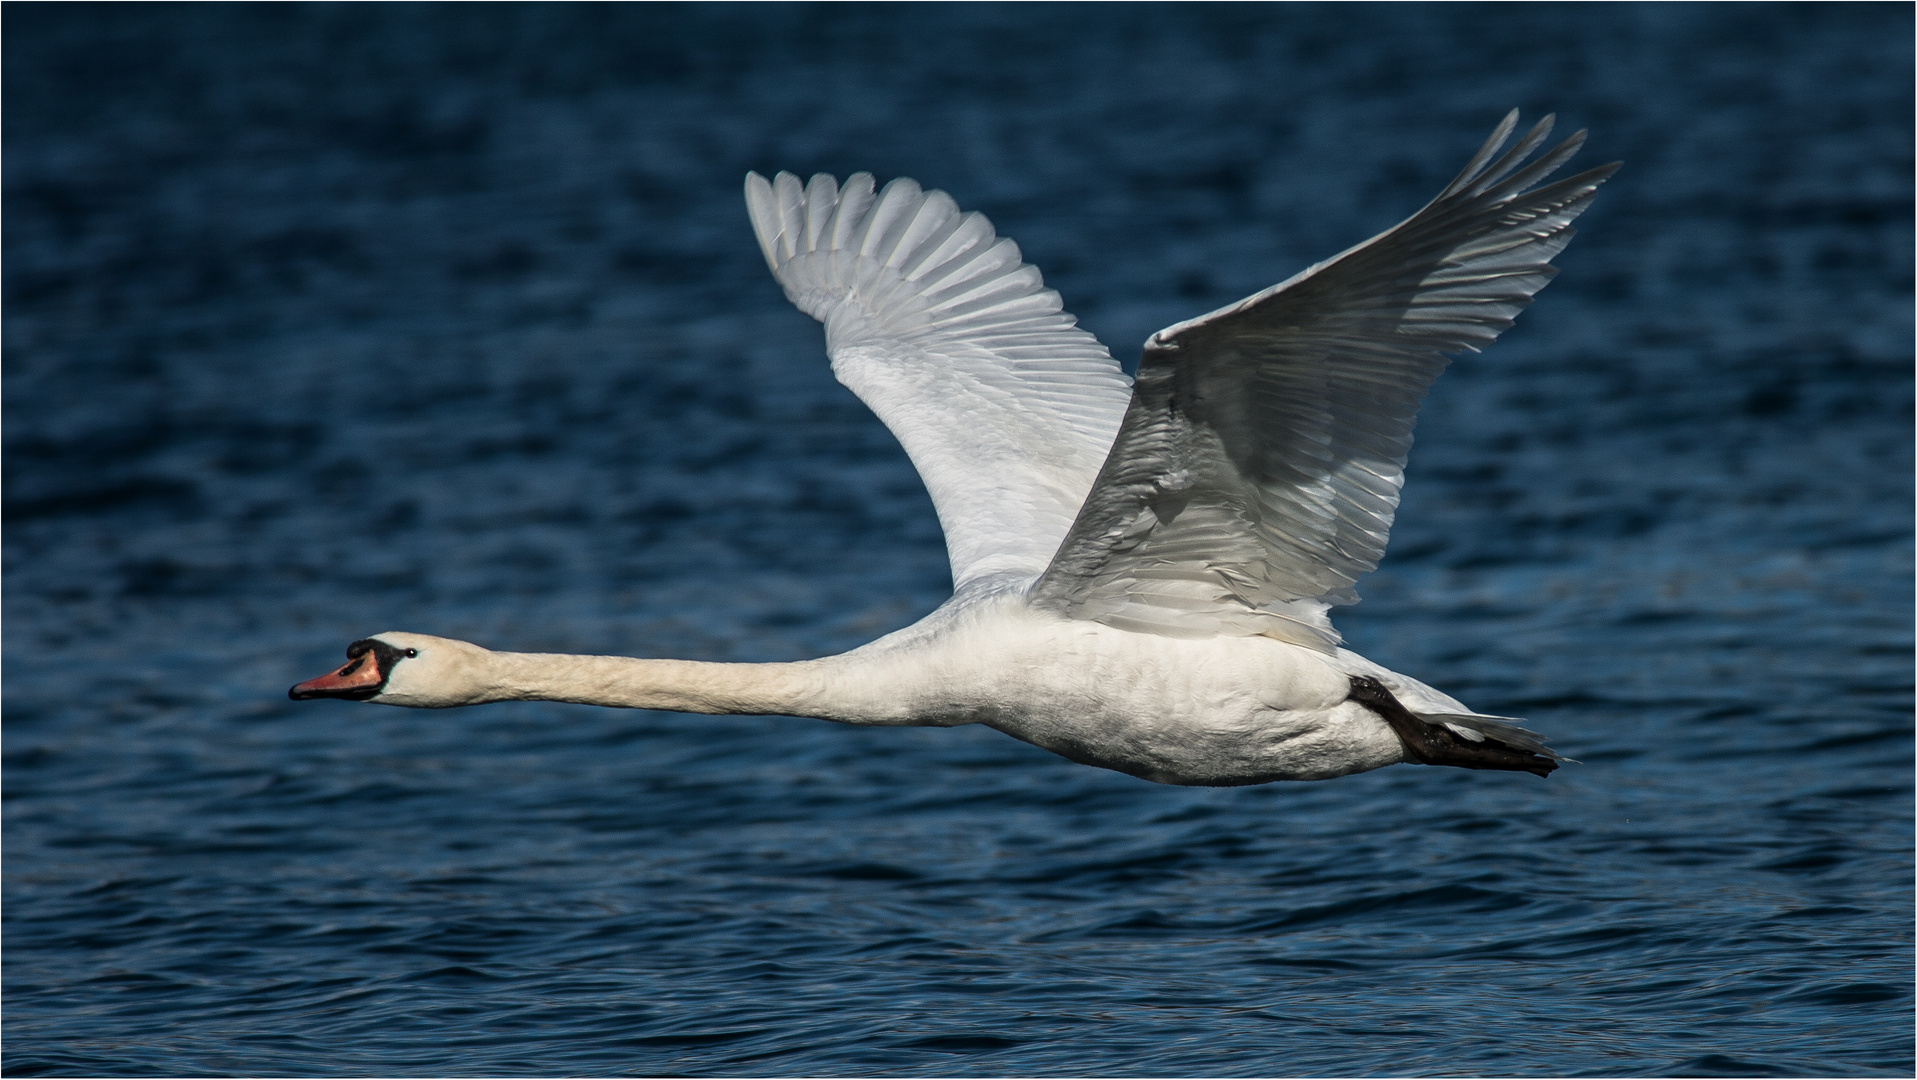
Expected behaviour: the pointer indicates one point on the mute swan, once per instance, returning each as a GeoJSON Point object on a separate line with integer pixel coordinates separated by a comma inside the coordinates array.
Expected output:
{"type": "Point", "coordinates": [1142, 569]}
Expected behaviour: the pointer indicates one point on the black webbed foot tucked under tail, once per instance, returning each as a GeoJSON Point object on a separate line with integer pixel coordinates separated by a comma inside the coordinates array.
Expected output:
{"type": "Point", "coordinates": [1435, 744]}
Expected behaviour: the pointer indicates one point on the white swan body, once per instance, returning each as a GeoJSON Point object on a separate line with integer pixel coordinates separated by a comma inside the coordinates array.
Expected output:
{"type": "Point", "coordinates": [1225, 711]}
{"type": "Point", "coordinates": [1142, 573]}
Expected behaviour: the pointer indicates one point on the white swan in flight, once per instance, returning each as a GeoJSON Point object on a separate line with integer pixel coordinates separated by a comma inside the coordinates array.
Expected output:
{"type": "Point", "coordinates": [1142, 569]}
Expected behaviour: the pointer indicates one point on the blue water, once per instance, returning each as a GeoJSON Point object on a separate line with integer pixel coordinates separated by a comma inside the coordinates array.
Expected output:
{"type": "Point", "coordinates": [322, 321]}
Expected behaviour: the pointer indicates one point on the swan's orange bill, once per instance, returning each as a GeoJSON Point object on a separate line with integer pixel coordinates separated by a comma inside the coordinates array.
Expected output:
{"type": "Point", "coordinates": [359, 675]}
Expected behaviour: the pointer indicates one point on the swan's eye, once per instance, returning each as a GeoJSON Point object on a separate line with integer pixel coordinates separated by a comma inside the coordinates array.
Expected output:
{"type": "Point", "coordinates": [412, 652]}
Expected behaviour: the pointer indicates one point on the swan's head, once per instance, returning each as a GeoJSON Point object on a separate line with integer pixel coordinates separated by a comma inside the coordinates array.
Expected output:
{"type": "Point", "coordinates": [396, 668]}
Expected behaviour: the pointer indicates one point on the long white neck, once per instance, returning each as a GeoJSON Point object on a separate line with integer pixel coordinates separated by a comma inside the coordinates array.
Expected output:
{"type": "Point", "coordinates": [799, 689]}
{"type": "Point", "coordinates": [441, 672]}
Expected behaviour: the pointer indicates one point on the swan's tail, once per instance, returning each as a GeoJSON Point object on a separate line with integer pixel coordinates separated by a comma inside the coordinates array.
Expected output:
{"type": "Point", "coordinates": [1436, 707]}
{"type": "Point", "coordinates": [1504, 729]}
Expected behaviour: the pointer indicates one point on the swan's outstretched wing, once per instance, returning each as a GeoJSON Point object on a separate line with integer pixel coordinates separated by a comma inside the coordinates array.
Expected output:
{"type": "Point", "coordinates": [1005, 406]}
{"type": "Point", "coordinates": [1257, 470]}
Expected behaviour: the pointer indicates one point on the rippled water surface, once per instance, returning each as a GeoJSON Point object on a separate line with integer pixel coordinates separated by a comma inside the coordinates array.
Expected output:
{"type": "Point", "coordinates": [322, 321]}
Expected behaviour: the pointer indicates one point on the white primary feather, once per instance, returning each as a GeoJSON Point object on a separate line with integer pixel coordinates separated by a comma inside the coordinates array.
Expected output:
{"type": "Point", "coordinates": [1006, 408]}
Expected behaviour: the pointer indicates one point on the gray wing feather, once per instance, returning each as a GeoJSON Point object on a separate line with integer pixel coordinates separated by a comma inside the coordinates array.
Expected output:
{"type": "Point", "coordinates": [1257, 469]}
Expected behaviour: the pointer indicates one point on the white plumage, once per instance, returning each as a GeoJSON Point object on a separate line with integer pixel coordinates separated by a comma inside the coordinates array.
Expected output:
{"type": "Point", "coordinates": [1005, 406]}
{"type": "Point", "coordinates": [1142, 573]}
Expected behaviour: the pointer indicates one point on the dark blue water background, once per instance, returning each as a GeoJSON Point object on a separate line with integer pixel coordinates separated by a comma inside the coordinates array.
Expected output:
{"type": "Point", "coordinates": [327, 320]}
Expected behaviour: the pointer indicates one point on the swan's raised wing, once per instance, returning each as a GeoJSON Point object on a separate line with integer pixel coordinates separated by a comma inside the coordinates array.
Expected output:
{"type": "Point", "coordinates": [1006, 407]}
{"type": "Point", "coordinates": [1257, 470]}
